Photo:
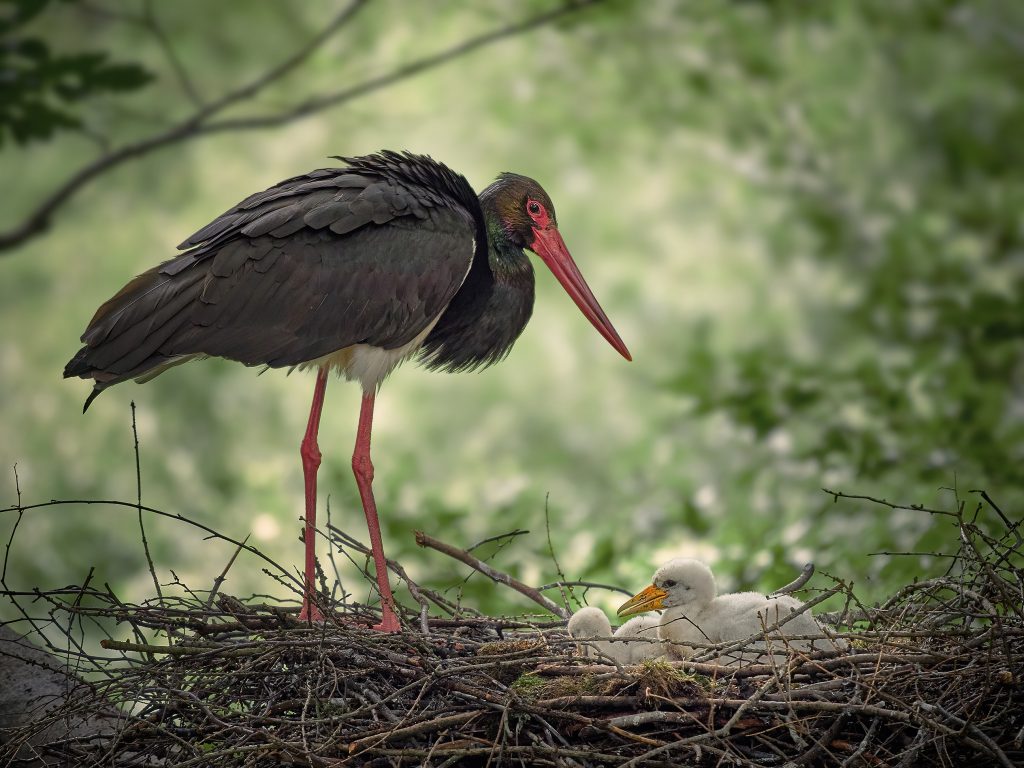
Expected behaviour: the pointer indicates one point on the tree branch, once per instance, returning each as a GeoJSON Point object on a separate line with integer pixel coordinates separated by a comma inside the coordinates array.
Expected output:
{"type": "Point", "coordinates": [201, 123]}
{"type": "Point", "coordinates": [152, 23]}
{"type": "Point", "coordinates": [274, 74]}
{"type": "Point", "coordinates": [463, 556]}
{"type": "Point", "coordinates": [403, 72]}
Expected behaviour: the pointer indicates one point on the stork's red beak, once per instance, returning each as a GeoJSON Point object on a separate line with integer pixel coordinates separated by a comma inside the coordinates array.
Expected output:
{"type": "Point", "coordinates": [548, 244]}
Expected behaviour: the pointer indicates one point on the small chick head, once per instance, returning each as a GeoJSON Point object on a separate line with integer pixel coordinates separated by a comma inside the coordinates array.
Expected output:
{"type": "Point", "coordinates": [589, 622]}
{"type": "Point", "coordinates": [680, 581]}
{"type": "Point", "coordinates": [685, 581]}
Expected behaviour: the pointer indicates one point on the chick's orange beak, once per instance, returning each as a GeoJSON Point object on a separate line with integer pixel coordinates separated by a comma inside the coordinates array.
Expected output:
{"type": "Point", "coordinates": [650, 599]}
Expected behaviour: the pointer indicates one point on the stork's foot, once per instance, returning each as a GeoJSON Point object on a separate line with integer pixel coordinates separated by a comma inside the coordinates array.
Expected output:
{"type": "Point", "coordinates": [310, 613]}
{"type": "Point", "coordinates": [388, 623]}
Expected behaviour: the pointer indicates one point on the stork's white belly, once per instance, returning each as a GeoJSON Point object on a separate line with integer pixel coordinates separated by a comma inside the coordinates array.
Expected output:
{"type": "Point", "coordinates": [367, 364]}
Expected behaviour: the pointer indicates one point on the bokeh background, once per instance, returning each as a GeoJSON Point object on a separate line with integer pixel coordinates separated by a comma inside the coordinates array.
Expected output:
{"type": "Point", "coordinates": [805, 219]}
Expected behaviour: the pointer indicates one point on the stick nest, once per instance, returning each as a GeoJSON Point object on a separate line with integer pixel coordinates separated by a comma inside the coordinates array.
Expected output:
{"type": "Point", "coordinates": [934, 676]}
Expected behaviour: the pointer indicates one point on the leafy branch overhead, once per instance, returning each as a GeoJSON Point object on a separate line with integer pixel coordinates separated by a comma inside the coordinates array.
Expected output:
{"type": "Point", "coordinates": [41, 89]}
{"type": "Point", "coordinates": [34, 104]}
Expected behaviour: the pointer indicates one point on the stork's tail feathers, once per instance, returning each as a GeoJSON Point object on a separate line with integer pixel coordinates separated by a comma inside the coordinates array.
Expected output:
{"type": "Point", "coordinates": [92, 396]}
{"type": "Point", "coordinates": [132, 335]}
{"type": "Point", "coordinates": [78, 366]}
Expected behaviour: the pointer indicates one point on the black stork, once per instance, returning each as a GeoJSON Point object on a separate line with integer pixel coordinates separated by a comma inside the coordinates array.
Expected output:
{"type": "Point", "coordinates": [353, 268]}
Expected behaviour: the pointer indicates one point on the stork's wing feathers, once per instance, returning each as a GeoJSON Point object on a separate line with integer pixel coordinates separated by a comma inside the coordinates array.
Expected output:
{"type": "Point", "coordinates": [319, 292]}
{"type": "Point", "coordinates": [310, 266]}
{"type": "Point", "coordinates": [345, 201]}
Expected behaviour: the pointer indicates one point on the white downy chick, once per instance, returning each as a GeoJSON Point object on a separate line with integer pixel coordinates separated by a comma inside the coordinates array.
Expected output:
{"type": "Point", "coordinates": [588, 624]}
{"type": "Point", "coordinates": [694, 613]}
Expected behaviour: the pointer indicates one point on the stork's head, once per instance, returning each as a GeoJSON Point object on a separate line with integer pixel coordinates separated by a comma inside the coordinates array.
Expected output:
{"type": "Point", "coordinates": [679, 582]}
{"type": "Point", "coordinates": [519, 211]}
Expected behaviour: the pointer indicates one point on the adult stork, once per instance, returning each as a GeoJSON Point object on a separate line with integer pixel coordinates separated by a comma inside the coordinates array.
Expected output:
{"type": "Point", "coordinates": [352, 269]}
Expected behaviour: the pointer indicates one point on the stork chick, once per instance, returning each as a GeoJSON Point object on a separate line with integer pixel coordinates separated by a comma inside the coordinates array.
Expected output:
{"type": "Point", "coordinates": [590, 624]}
{"type": "Point", "coordinates": [694, 614]}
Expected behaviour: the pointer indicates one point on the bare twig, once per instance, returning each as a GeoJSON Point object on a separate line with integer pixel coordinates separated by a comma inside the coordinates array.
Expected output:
{"type": "Point", "coordinates": [504, 538]}
{"type": "Point", "coordinates": [152, 23]}
{"type": "Point", "coordinates": [837, 495]}
{"type": "Point", "coordinates": [224, 574]}
{"type": "Point", "coordinates": [153, 511]}
{"type": "Point", "coordinates": [420, 594]}
{"type": "Point", "coordinates": [138, 504]}
{"type": "Point", "coordinates": [463, 556]}
{"type": "Point", "coordinates": [435, 724]}
{"type": "Point", "coordinates": [14, 528]}
{"type": "Point", "coordinates": [276, 73]}
{"type": "Point", "coordinates": [565, 591]}
{"type": "Point", "coordinates": [585, 584]}
{"type": "Point", "coordinates": [1013, 527]}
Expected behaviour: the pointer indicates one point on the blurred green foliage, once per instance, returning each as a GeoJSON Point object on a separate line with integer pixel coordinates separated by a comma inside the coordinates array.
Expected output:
{"type": "Point", "coordinates": [39, 87]}
{"type": "Point", "coordinates": [806, 220]}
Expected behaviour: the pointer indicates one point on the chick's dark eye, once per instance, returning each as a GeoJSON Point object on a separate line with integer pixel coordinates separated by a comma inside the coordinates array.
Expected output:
{"type": "Point", "coordinates": [533, 207]}
{"type": "Point", "coordinates": [670, 583]}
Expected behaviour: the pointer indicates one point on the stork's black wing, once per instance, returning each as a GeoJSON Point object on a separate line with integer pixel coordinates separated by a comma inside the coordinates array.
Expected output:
{"type": "Point", "coordinates": [371, 254]}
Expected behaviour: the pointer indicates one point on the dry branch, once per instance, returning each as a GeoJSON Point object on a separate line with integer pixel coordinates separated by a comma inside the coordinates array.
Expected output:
{"type": "Point", "coordinates": [494, 574]}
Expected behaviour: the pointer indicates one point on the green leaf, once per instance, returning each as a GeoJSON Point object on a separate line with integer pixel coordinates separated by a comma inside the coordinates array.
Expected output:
{"type": "Point", "coordinates": [122, 77]}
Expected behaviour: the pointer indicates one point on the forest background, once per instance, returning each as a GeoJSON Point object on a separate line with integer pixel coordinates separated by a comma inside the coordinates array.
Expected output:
{"type": "Point", "coordinates": [805, 219]}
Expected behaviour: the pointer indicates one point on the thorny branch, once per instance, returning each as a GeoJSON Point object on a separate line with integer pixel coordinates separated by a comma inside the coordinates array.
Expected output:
{"type": "Point", "coordinates": [206, 117]}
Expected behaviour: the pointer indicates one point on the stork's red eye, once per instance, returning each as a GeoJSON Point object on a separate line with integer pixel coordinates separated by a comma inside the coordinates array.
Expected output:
{"type": "Point", "coordinates": [538, 213]}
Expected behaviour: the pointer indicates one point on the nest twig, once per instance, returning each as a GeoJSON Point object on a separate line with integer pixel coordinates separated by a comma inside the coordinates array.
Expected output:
{"type": "Point", "coordinates": [933, 676]}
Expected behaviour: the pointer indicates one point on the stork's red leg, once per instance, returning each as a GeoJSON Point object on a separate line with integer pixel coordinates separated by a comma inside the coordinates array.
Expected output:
{"type": "Point", "coordinates": [363, 469]}
{"type": "Point", "coordinates": [310, 452]}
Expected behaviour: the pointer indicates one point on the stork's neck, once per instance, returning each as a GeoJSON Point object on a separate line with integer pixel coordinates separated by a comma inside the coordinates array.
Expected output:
{"type": "Point", "coordinates": [491, 308]}
{"type": "Point", "coordinates": [690, 610]}
{"type": "Point", "coordinates": [506, 260]}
